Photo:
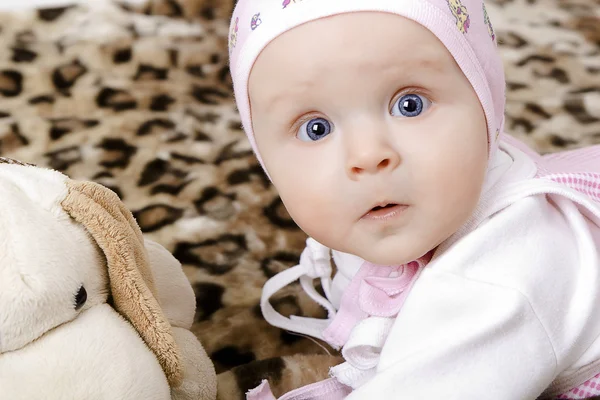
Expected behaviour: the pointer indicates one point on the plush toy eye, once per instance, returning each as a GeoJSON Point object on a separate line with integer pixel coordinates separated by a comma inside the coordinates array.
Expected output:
{"type": "Point", "coordinates": [80, 298]}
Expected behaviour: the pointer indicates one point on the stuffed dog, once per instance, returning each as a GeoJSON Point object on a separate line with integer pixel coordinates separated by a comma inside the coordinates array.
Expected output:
{"type": "Point", "coordinates": [89, 309]}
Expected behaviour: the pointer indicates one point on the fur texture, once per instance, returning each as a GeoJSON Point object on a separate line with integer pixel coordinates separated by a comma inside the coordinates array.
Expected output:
{"type": "Point", "coordinates": [69, 252]}
{"type": "Point", "coordinates": [90, 366]}
{"type": "Point", "coordinates": [116, 233]}
{"type": "Point", "coordinates": [36, 237]}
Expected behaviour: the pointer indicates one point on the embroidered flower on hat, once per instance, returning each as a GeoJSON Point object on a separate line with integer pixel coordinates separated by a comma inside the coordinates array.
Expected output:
{"type": "Point", "coordinates": [463, 22]}
{"type": "Point", "coordinates": [288, 2]}
{"type": "Point", "coordinates": [487, 21]}
{"type": "Point", "coordinates": [255, 22]}
{"type": "Point", "coordinates": [233, 34]}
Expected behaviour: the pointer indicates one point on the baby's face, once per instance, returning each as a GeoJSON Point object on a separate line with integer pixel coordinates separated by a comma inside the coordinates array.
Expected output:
{"type": "Point", "coordinates": [360, 111]}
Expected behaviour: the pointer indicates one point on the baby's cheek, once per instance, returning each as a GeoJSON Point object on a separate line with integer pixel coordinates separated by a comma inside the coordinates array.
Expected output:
{"type": "Point", "coordinates": [457, 203]}
{"type": "Point", "coordinates": [312, 207]}
{"type": "Point", "coordinates": [442, 199]}
{"type": "Point", "coordinates": [309, 187]}
{"type": "Point", "coordinates": [307, 206]}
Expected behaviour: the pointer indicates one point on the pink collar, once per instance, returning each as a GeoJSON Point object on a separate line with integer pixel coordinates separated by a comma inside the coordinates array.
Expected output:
{"type": "Point", "coordinates": [375, 290]}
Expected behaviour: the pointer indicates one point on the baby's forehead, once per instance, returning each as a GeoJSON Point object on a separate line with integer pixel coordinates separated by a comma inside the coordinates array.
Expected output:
{"type": "Point", "coordinates": [326, 46]}
{"type": "Point", "coordinates": [408, 64]}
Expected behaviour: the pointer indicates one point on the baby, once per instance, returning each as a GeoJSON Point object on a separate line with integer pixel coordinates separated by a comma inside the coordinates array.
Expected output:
{"type": "Point", "coordinates": [468, 265]}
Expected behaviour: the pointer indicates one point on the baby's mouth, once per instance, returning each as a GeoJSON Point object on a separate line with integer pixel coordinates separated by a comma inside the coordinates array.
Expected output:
{"type": "Point", "coordinates": [384, 210]}
{"type": "Point", "coordinates": [377, 208]}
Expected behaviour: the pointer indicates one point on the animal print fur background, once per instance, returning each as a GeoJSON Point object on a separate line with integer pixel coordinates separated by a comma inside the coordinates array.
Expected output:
{"type": "Point", "coordinates": [140, 100]}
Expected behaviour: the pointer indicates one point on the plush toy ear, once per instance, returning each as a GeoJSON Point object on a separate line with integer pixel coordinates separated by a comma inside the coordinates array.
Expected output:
{"type": "Point", "coordinates": [4, 160]}
{"type": "Point", "coordinates": [115, 231]}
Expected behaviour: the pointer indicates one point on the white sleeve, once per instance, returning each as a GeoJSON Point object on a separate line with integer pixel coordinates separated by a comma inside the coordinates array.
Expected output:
{"type": "Point", "coordinates": [497, 316]}
{"type": "Point", "coordinates": [472, 341]}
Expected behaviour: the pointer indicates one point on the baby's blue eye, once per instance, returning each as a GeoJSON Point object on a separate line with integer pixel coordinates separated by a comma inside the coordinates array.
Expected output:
{"type": "Point", "coordinates": [410, 105]}
{"type": "Point", "coordinates": [313, 130]}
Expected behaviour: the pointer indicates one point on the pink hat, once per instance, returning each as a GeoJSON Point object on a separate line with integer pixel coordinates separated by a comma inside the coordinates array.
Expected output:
{"type": "Point", "coordinates": [462, 26]}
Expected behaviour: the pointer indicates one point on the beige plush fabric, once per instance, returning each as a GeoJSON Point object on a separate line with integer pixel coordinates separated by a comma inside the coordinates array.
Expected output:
{"type": "Point", "coordinates": [113, 228]}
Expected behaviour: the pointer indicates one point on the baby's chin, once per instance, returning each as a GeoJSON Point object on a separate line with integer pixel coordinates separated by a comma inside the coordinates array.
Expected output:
{"type": "Point", "coordinates": [389, 252]}
{"type": "Point", "coordinates": [393, 258]}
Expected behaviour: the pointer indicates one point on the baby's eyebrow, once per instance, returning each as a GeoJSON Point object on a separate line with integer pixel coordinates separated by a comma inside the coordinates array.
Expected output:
{"type": "Point", "coordinates": [419, 62]}
{"type": "Point", "coordinates": [432, 63]}
{"type": "Point", "coordinates": [284, 95]}
{"type": "Point", "coordinates": [428, 61]}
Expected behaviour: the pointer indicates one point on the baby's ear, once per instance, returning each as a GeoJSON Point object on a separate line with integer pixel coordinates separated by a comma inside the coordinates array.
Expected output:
{"type": "Point", "coordinates": [117, 234]}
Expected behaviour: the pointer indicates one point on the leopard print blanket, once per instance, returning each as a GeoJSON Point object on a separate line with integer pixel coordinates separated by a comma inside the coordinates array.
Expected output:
{"type": "Point", "coordinates": [139, 99]}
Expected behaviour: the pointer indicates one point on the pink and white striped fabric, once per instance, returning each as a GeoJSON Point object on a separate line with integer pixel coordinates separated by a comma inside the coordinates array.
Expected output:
{"type": "Point", "coordinates": [587, 183]}
{"type": "Point", "coordinates": [578, 169]}
{"type": "Point", "coordinates": [586, 390]}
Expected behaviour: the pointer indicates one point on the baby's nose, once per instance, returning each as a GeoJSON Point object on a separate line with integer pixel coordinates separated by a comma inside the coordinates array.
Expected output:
{"type": "Point", "coordinates": [371, 159]}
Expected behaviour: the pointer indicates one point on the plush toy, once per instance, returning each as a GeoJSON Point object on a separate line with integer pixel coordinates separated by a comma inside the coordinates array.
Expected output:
{"type": "Point", "coordinates": [88, 308]}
